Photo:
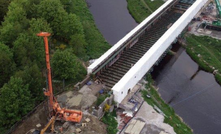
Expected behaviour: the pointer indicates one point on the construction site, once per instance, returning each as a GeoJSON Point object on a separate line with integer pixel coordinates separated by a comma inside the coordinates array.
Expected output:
{"type": "Point", "coordinates": [207, 21]}
{"type": "Point", "coordinates": [81, 109]}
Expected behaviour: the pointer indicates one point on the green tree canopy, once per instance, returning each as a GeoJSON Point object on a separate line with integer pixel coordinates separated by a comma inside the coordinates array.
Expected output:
{"type": "Point", "coordinates": [64, 25]}
{"type": "Point", "coordinates": [32, 75]}
{"type": "Point", "coordinates": [7, 65]}
{"type": "Point", "coordinates": [78, 44]}
{"type": "Point", "coordinates": [28, 47]}
{"type": "Point", "coordinates": [65, 65]}
{"type": "Point", "coordinates": [15, 102]}
{"type": "Point", "coordinates": [39, 25]}
{"type": "Point", "coordinates": [71, 25]}
{"type": "Point", "coordinates": [3, 8]}
{"type": "Point", "coordinates": [15, 23]}
{"type": "Point", "coordinates": [53, 12]}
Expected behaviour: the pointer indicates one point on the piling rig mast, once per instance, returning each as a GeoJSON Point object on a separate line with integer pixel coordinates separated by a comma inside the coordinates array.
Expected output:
{"type": "Point", "coordinates": [54, 107]}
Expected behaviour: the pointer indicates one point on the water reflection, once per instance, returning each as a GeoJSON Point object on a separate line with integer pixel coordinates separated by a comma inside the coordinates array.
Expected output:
{"type": "Point", "coordinates": [112, 18]}
{"type": "Point", "coordinates": [193, 93]}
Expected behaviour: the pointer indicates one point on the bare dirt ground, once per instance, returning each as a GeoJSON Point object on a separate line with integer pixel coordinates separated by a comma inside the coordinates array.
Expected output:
{"type": "Point", "coordinates": [207, 14]}
{"type": "Point", "coordinates": [39, 116]}
{"type": "Point", "coordinates": [74, 99]}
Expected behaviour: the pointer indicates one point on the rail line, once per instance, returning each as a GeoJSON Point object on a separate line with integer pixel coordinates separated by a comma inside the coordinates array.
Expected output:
{"type": "Point", "coordinates": [112, 74]}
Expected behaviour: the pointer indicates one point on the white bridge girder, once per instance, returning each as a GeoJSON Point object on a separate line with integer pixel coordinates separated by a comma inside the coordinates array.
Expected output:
{"type": "Point", "coordinates": [131, 78]}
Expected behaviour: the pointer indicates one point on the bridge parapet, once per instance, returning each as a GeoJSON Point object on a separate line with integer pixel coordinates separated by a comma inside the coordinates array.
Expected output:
{"type": "Point", "coordinates": [130, 79]}
{"type": "Point", "coordinates": [131, 38]}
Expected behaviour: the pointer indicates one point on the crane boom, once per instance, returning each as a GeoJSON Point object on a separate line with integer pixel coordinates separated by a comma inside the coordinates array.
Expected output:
{"type": "Point", "coordinates": [54, 107]}
{"type": "Point", "coordinates": [51, 122]}
{"type": "Point", "coordinates": [49, 92]}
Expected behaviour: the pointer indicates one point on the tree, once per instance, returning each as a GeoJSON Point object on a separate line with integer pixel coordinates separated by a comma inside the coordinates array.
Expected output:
{"type": "Point", "coordinates": [67, 5]}
{"type": "Point", "coordinates": [29, 48]}
{"type": "Point", "coordinates": [78, 44]}
{"type": "Point", "coordinates": [15, 102]}
{"type": "Point", "coordinates": [39, 25]}
{"type": "Point", "coordinates": [32, 75]}
{"type": "Point", "coordinates": [3, 8]}
{"type": "Point", "coordinates": [7, 65]}
{"type": "Point", "coordinates": [53, 12]}
{"type": "Point", "coordinates": [65, 65]}
{"type": "Point", "coordinates": [71, 25]}
{"type": "Point", "coordinates": [15, 22]}
{"type": "Point", "coordinates": [64, 25]}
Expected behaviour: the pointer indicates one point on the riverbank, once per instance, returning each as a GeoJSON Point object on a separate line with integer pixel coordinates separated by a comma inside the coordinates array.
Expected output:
{"type": "Point", "coordinates": [206, 51]}
{"type": "Point", "coordinates": [170, 116]}
{"type": "Point", "coordinates": [97, 44]}
{"type": "Point", "coordinates": [142, 8]}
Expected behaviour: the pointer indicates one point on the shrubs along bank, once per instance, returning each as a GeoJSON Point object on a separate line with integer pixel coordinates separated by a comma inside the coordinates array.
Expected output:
{"type": "Point", "coordinates": [170, 116]}
{"type": "Point", "coordinates": [206, 51]}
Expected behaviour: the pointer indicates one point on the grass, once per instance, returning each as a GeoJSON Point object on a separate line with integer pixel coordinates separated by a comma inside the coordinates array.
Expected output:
{"type": "Point", "coordinates": [206, 51]}
{"type": "Point", "coordinates": [109, 119]}
{"type": "Point", "coordinates": [139, 10]}
{"type": "Point", "coordinates": [170, 116]}
{"type": "Point", "coordinates": [97, 45]}
{"type": "Point", "coordinates": [218, 78]}
{"type": "Point", "coordinates": [154, 5]}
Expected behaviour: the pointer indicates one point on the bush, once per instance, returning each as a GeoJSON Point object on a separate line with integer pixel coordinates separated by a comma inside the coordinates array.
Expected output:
{"type": "Point", "coordinates": [101, 98]}
{"type": "Point", "coordinates": [218, 78]}
{"type": "Point", "coordinates": [109, 119]}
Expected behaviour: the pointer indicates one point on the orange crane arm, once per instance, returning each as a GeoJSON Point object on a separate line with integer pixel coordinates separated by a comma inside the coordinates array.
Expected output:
{"type": "Point", "coordinates": [49, 91]}
{"type": "Point", "coordinates": [51, 122]}
{"type": "Point", "coordinates": [54, 107]}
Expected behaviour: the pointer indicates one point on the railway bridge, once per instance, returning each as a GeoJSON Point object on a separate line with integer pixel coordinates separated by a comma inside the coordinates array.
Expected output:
{"type": "Point", "coordinates": [123, 65]}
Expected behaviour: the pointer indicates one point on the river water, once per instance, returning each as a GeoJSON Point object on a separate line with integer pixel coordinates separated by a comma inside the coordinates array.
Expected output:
{"type": "Point", "coordinates": [194, 94]}
{"type": "Point", "coordinates": [112, 18]}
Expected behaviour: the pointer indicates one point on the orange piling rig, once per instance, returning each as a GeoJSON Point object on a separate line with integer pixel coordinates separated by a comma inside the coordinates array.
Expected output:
{"type": "Point", "coordinates": [54, 107]}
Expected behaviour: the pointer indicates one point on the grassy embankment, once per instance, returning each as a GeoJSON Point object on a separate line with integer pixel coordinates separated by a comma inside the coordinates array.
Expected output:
{"type": "Point", "coordinates": [97, 45]}
{"type": "Point", "coordinates": [95, 38]}
{"type": "Point", "coordinates": [140, 9]}
{"type": "Point", "coordinates": [170, 116]}
{"type": "Point", "coordinates": [206, 51]}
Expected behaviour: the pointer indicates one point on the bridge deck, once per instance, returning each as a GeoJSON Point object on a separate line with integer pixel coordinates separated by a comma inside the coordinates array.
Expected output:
{"type": "Point", "coordinates": [114, 73]}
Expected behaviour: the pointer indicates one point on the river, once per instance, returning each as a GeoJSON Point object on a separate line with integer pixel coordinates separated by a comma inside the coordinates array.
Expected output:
{"type": "Point", "coordinates": [112, 18]}
{"type": "Point", "coordinates": [194, 94]}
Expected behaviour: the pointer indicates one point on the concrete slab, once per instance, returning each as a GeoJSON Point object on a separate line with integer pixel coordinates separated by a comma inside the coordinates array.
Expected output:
{"type": "Point", "coordinates": [95, 88]}
{"type": "Point", "coordinates": [151, 129]}
{"type": "Point", "coordinates": [130, 127]}
{"type": "Point", "coordinates": [153, 118]}
{"type": "Point", "coordinates": [149, 114]}
{"type": "Point", "coordinates": [87, 100]}
{"type": "Point", "coordinates": [62, 99]}
{"type": "Point", "coordinates": [75, 100]}
{"type": "Point", "coordinates": [137, 127]}
{"type": "Point", "coordinates": [162, 132]}
{"type": "Point", "coordinates": [134, 127]}
{"type": "Point", "coordinates": [85, 89]}
{"type": "Point", "coordinates": [69, 94]}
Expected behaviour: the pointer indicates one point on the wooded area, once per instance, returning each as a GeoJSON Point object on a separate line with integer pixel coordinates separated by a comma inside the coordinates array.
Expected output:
{"type": "Point", "coordinates": [22, 57]}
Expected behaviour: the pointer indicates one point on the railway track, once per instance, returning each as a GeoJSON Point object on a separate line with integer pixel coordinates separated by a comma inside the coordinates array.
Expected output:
{"type": "Point", "coordinates": [111, 75]}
